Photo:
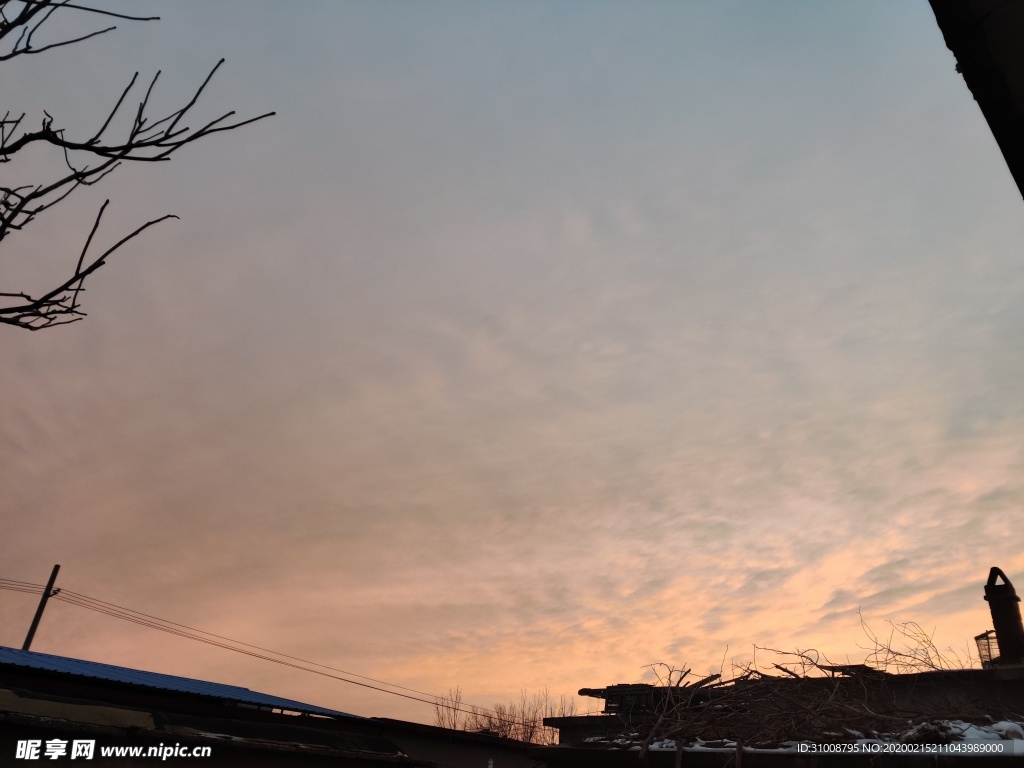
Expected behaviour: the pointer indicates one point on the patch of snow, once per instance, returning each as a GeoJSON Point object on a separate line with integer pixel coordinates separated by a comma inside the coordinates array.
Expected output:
{"type": "Point", "coordinates": [1008, 730]}
{"type": "Point", "coordinates": [933, 732]}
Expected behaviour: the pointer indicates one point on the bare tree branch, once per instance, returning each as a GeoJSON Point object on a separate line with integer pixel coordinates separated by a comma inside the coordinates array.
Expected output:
{"type": "Point", "coordinates": [815, 699]}
{"type": "Point", "coordinates": [521, 720]}
{"type": "Point", "coordinates": [59, 306]}
{"type": "Point", "coordinates": [25, 17]}
{"type": "Point", "coordinates": [88, 160]}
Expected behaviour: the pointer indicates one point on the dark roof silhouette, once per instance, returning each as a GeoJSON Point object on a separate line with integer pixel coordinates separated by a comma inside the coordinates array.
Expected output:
{"type": "Point", "coordinates": [13, 657]}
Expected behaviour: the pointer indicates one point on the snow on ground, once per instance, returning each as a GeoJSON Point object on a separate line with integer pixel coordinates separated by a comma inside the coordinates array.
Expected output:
{"type": "Point", "coordinates": [1010, 736]}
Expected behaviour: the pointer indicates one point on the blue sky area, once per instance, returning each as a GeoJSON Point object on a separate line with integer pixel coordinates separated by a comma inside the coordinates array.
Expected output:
{"type": "Point", "coordinates": [529, 344]}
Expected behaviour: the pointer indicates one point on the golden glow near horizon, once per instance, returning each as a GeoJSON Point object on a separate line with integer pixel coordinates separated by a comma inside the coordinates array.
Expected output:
{"type": "Point", "coordinates": [527, 346]}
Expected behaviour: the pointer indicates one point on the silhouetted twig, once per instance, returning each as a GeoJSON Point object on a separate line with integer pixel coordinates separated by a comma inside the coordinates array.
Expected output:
{"type": "Point", "coordinates": [87, 160]}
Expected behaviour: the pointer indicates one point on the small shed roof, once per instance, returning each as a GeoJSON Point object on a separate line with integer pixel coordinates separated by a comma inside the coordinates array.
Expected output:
{"type": "Point", "coordinates": [14, 657]}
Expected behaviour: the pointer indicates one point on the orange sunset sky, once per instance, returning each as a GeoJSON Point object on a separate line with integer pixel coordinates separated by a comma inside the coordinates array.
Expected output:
{"type": "Point", "coordinates": [529, 344]}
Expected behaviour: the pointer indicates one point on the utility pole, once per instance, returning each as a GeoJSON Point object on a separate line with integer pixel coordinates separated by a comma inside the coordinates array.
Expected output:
{"type": "Point", "coordinates": [47, 594]}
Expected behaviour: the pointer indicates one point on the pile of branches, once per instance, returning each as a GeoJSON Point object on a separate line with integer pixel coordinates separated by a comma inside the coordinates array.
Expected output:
{"type": "Point", "coordinates": [764, 709]}
{"type": "Point", "coordinates": [801, 695]}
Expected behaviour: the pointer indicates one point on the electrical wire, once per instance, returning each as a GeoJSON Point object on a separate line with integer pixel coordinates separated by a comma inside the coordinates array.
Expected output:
{"type": "Point", "coordinates": [21, 586]}
{"type": "Point", "coordinates": [227, 643]}
{"type": "Point", "coordinates": [192, 633]}
{"type": "Point", "coordinates": [67, 596]}
{"type": "Point", "coordinates": [22, 583]}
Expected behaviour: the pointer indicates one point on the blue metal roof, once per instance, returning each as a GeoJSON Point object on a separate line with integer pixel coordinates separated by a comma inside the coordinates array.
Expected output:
{"type": "Point", "coordinates": [232, 693]}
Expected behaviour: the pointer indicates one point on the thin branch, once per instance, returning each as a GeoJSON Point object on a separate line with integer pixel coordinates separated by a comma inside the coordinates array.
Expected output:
{"type": "Point", "coordinates": [88, 161]}
{"type": "Point", "coordinates": [33, 14]}
{"type": "Point", "coordinates": [97, 11]}
{"type": "Point", "coordinates": [59, 306]}
{"type": "Point", "coordinates": [28, 49]}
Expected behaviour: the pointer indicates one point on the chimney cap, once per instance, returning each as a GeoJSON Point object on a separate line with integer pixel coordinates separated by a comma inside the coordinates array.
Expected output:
{"type": "Point", "coordinates": [1004, 590]}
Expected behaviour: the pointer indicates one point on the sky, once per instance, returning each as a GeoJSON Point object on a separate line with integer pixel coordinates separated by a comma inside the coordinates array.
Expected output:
{"type": "Point", "coordinates": [529, 344]}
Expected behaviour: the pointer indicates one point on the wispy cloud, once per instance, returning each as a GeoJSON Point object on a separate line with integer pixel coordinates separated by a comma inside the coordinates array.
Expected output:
{"type": "Point", "coordinates": [515, 353]}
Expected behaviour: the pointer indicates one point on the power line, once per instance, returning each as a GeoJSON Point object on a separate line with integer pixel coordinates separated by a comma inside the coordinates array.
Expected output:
{"type": "Point", "coordinates": [22, 583]}
{"type": "Point", "coordinates": [227, 643]}
{"type": "Point", "coordinates": [21, 586]}
{"type": "Point", "coordinates": [113, 606]}
{"type": "Point", "coordinates": [183, 630]}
